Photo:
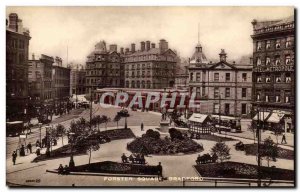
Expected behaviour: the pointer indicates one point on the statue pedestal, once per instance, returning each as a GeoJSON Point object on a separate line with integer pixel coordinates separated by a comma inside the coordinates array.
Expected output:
{"type": "Point", "coordinates": [164, 126]}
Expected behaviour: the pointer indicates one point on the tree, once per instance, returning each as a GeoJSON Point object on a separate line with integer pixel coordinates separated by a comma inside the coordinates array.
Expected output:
{"type": "Point", "coordinates": [61, 131]}
{"type": "Point", "coordinates": [278, 130]}
{"type": "Point", "coordinates": [252, 127]}
{"type": "Point", "coordinates": [221, 150]}
{"type": "Point", "coordinates": [105, 120]}
{"type": "Point", "coordinates": [52, 133]}
{"type": "Point", "coordinates": [92, 143]}
{"type": "Point", "coordinates": [117, 119]}
{"type": "Point", "coordinates": [175, 134]}
{"type": "Point", "coordinates": [269, 150]}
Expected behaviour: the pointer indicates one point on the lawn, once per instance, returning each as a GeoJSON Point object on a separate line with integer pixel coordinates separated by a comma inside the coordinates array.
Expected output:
{"type": "Point", "coordinates": [242, 170]}
{"type": "Point", "coordinates": [251, 149]}
{"type": "Point", "coordinates": [116, 168]}
{"type": "Point", "coordinates": [215, 138]}
{"type": "Point", "coordinates": [65, 150]}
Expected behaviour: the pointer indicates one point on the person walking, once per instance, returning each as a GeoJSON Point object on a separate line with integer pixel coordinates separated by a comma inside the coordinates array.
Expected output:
{"type": "Point", "coordinates": [159, 172]}
{"type": "Point", "coordinates": [14, 157]}
{"type": "Point", "coordinates": [142, 126]}
{"type": "Point", "coordinates": [29, 147]}
{"type": "Point", "coordinates": [283, 139]}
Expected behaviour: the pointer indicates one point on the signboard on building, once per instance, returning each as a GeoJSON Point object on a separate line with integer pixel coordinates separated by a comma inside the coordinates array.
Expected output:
{"type": "Point", "coordinates": [274, 68]}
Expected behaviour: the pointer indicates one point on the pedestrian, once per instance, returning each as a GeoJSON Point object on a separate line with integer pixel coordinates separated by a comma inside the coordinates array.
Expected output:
{"type": "Point", "coordinates": [29, 147]}
{"type": "Point", "coordinates": [14, 157]}
{"type": "Point", "coordinates": [142, 126]}
{"type": "Point", "coordinates": [37, 143]}
{"type": "Point", "coordinates": [38, 151]}
{"type": "Point", "coordinates": [159, 172]}
{"type": "Point", "coordinates": [66, 170]}
{"type": "Point", "coordinates": [22, 151]}
{"type": "Point", "coordinates": [124, 158]}
{"type": "Point", "coordinates": [283, 139]}
{"type": "Point", "coordinates": [60, 169]}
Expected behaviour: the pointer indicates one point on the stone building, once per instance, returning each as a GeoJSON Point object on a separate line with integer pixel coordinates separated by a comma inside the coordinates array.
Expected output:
{"type": "Point", "coordinates": [150, 67]}
{"type": "Point", "coordinates": [104, 68]}
{"type": "Point", "coordinates": [220, 87]}
{"type": "Point", "coordinates": [77, 81]}
{"type": "Point", "coordinates": [17, 45]}
{"type": "Point", "coordinates": [273, 68]}
{"type": "Point", "coordinates": [40, 81]}
{"type": "Point", "coordinates": [61, 84]}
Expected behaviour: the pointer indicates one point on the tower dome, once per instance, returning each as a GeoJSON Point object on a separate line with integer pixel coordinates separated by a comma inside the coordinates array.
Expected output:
{"type": "Point", "coordinates": [198, 56]}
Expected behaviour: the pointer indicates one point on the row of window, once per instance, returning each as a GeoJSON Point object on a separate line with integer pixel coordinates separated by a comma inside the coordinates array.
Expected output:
{"type": "Point", "coordinates": [216, 108]}
{"type": "Point", "coordinates": [277, 98]}
{"type": "Point", "coordinates": [15, 43]}
{"type": "Point", "coordinates": [276, 60]}
{"type": "Point", "coordinates": [217, 77]}
{"type": "Point", "coordinates": [217, 94]}
{"type": "Point", "coordinates": [277, 78]}
{"type": "Point", "coordinates": [138, 84]}
{"type": "Point", "coordinates": [278, 44]}
{"type": "Point", "coordinates": [149, 57]}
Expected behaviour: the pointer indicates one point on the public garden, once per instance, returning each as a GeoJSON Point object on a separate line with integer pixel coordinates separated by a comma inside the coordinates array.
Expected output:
{"type": "Point", "coordinates": [96, 148]}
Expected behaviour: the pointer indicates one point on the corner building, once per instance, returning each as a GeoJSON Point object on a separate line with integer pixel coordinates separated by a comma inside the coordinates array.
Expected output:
{"type": "Point", "coordinates": [273, 69]}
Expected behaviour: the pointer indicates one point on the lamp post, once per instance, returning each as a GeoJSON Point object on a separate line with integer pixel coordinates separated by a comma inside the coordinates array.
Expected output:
{"type": "Point", "coordinates": [71, 163]}
{"type": "Point", "coordinates": [40, 126]}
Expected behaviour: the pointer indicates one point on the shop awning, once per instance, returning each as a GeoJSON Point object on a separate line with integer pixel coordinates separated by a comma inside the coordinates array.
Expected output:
{"type": "Point", "coordinates": [197, 117]}
{"type": "Point", "coordinates": [275, 118]}
{"type": "Point", "coordinates": [262, 116]}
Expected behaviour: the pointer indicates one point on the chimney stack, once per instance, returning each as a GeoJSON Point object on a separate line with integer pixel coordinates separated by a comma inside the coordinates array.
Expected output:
{"type": "Point", "coordinates": [132, 47]}
{"type": "Point", "coordinates": [13, 22]}
{"type": "Point", "coordinates": [163, 45]}
{"type": "Point", "coordinates": [126, 50]}
{"type": "Point", "coordinates": [152, 45]}
{"type": "Point", "coordinates": [142, 46]}
{"type": "Point", "coordinates": [122, 50]}
{"type": "Point", "coordinates": [33, 57]}
{"type": "Point", "coordinates": [147, 45]}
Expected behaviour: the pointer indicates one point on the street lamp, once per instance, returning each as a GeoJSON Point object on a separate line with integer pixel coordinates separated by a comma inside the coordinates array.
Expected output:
{"type": "Point", "coordinates": [40, 126]}
{"type": "Point", "coordinates": [71, 163]}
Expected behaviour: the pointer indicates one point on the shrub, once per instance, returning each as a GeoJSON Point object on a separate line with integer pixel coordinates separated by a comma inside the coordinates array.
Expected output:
{"type": "Point", "coordinates": [175, 134]}
{"type": "Point", "coordinates": [152, 134]}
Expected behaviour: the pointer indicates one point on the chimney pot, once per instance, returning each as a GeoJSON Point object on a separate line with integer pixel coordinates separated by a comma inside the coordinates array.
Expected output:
{"type": "Point", "coordinates": [142, 46]}
{"type": "Point", "coordinates": [147, 45]}
{"type": "Point", "coordinates": [132, 47]}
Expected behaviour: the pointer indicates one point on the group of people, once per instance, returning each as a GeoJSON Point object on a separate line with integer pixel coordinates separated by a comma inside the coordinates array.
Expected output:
{"type": "Point", "coordinates": [63, 170]}
{"type": "Point", "coordinates": [134, 158]}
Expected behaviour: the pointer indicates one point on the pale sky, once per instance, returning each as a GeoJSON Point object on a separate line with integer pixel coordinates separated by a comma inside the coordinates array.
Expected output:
{"type": "Point", "coordinates": [54, 28]}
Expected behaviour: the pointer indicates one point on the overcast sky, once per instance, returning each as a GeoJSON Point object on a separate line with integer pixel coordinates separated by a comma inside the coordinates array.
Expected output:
{"type": "Point", "coordinates": [54, 28]}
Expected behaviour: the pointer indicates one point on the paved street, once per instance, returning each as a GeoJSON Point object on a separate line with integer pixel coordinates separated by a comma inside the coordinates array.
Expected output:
{"type": "Point", "coordinates": [27, 173]}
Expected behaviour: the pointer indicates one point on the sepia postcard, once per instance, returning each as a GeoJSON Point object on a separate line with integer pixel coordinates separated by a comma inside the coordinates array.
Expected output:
{"type": "Point", "coordinates": [150, 96]}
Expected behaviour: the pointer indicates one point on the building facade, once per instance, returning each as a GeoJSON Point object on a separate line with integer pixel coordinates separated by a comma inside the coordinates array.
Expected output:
{"type": "Point", "coordinates": [220, 88]}
{"type": "Point", "coordinates": [273, 67]}
{"type": "Point", "coordinates": [61, 85]}
{"type": "Point", "coordinates": [17, 45]}
{"type": "Point", "coordinates": [104, 68]}
{"type": "Point", "coordinates": [150, 67]}
{"type": "Point", "coordinates": [77, 81]}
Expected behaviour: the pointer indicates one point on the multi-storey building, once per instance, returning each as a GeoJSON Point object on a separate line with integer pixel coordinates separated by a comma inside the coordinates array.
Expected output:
{"type": "Point", "coordinates": [40, 78]}
{"type": "Point", "coordinates": [77, 82]}
{"type": "Point", "coordinates": [150, 67]}
{"type": "Point", "coordinates": [220, 88]}
{"type": "Point", "coordinates": [17, 45]}
{"type": "Point", "coordinates": [61, 84]}
{"type": "Point", "coordinates": [104, 68]}
{"type": "Point", "coordinates": [273, 68]}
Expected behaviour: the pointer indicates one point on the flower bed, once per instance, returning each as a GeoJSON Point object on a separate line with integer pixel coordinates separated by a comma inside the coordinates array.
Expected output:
{"type": "Point", "coordinates": [243, 170]}
{"type": "Point", "coordinates": [65, 151]}
{"type": "Point", "coordinates": [215, 138]}
{"type": "Point", "coordinates": [116, 168]}
{"type": "Point", "coordinates": [251, 149]}
{"type": "Point", "coordinates": [150, 145]}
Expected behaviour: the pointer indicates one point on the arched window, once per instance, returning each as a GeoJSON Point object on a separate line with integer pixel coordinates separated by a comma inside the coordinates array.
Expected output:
{"type": "Point", "coordinates": [132, 84]}
{"type": "Point", "coordinates": [138, 84]}
{"type": "Point", "coordinates": [143, 84]}
{"type": "Point", "coordinates": [127, 84]}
